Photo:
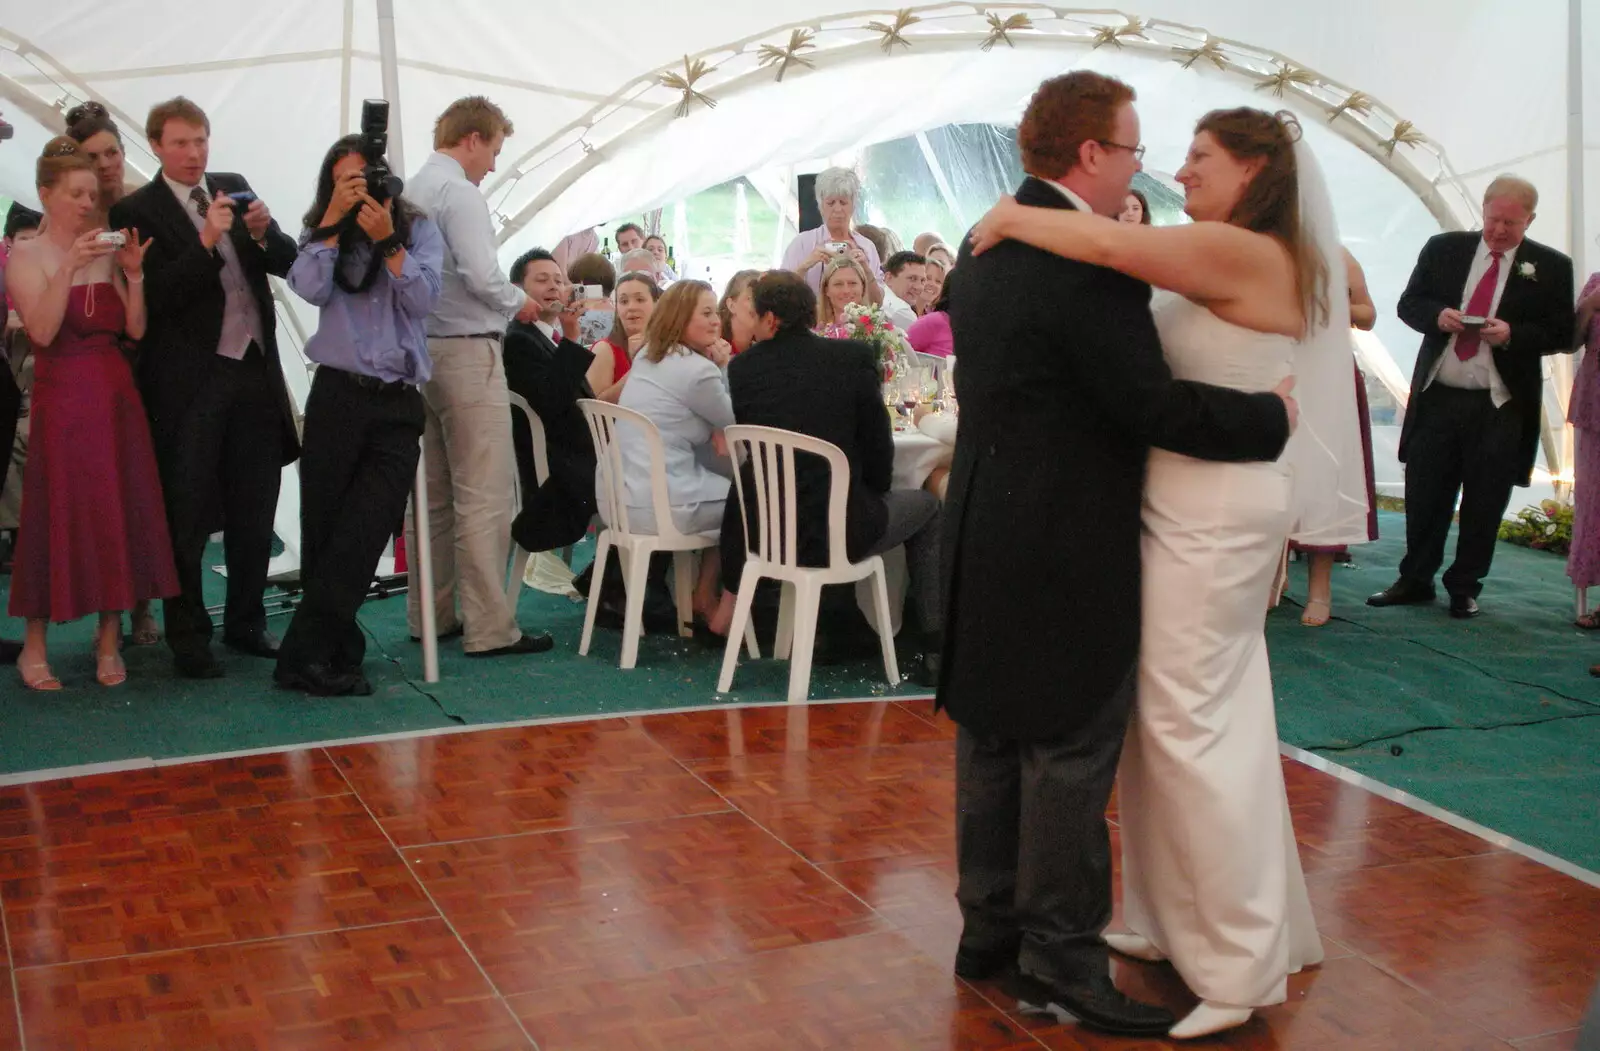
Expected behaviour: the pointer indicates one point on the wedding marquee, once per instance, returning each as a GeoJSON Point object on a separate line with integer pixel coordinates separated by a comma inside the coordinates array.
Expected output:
{"type": "Point", "coordinates": [620, 108]}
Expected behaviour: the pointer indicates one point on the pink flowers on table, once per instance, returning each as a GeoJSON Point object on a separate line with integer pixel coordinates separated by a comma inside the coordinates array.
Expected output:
{"type": "Point", "coordinates": [868, 324]}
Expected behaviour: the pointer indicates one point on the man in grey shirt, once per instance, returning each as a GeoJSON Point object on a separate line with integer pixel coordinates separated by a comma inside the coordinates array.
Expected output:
{"type": "Point", "coordinates": [466, 439]}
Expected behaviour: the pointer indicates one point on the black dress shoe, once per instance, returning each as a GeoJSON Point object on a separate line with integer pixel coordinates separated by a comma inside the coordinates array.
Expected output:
{"type": "Point", "coordinates": [1403, 593]}
{"type": "Point", "coordinates": [1096, 1004]}
{"type": "Point", "coordinates": [926, 673]}
{"type": "Point", "coordinates": [361, 687]}
{"type": "Point", "coordinates": [318, 680]}
{"type": "Point", "coordinates": [980, 965]}
{"type": "Point", "coordinates": [1463, 607]}
{"type": "Point", "coordinates": [259, 643]}
{"type": "Point", "coordinates": [9, 651]}
{"type": "Point", "coordinates": [197, 664]}
{"type": "Point", "coordinates": [526, 644]}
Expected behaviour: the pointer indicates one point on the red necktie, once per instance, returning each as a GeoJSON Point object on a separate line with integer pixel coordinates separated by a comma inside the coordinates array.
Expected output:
{"type": "Point", "coordinates": [1478, 306]}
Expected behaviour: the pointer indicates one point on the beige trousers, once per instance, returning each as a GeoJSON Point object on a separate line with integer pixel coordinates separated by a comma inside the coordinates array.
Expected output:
{"type": "Point", "coordinates": [466, 445]}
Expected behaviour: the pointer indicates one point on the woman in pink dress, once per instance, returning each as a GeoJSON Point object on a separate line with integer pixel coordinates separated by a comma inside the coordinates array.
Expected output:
{"type": "Point", "coordinates": [93, 537]}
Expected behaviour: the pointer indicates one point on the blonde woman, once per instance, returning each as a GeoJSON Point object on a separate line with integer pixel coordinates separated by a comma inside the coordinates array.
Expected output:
{"type": "Point", "coordinates": [843, 282]}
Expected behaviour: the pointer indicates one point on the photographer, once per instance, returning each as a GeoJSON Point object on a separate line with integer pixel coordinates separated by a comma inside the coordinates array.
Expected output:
{"type": "Point", "coordinates": [374, 270]}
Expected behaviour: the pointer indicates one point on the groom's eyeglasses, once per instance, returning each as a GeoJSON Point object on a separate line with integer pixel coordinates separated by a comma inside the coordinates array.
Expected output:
{"type": "Point", "coordinates": [1137, 151]}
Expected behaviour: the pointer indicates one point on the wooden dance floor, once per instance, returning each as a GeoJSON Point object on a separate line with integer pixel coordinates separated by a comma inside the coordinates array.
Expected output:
{"type": "Point", "coordinates": [763, 878]}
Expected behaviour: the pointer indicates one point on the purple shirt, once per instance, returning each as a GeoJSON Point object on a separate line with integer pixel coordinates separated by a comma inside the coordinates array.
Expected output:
{"type": "Point", "coordinates": [381, 332]}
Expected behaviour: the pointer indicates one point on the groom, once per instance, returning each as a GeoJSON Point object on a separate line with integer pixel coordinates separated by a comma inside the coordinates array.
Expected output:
{"type": "Point", "coordinates": [1063, 390]}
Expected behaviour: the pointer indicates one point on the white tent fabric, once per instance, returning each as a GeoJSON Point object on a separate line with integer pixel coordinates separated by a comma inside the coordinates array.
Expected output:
{"type": "Point", "coordinates": [1484, 81]}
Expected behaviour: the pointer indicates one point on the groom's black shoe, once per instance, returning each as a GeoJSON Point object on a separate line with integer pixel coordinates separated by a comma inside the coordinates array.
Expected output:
{"type": "Point", "coordinates": [1095, 1003]}
{"type": "Point", "coordinates": [1403, 593]}
{"type": "Point", "coordinates": [1463, 607]}
{"type": "Point", "coordinates": [980, 965]}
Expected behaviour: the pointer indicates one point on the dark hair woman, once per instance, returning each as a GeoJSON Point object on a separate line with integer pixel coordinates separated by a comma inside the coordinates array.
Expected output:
{"type": "Point", "coordinates": [636, 296]}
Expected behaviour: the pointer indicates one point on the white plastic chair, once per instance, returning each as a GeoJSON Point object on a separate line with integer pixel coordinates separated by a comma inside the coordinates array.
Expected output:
{"type": "Point", "coordinates": [635, 549]}
{"type": "Point", "coordinates": [541, 473]}
{"type": "Point", "coordinates": [769, 454]}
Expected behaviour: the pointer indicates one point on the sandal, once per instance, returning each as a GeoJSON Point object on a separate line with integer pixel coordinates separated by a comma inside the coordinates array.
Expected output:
{"type": "Point", "coordinates": [1316, 620]}
{"type": "Point", "coordinates": [145, 630]}
{"type": "Point", "coordinates": [109, 669]}
{"type": "Point", "coordinates": [46, 683]}
{"type": "Point", "coordinates": [1589, 621]}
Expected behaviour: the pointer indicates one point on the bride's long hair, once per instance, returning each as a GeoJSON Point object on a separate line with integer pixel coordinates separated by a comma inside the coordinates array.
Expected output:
{"type": "Point", "coordinates": [1270, 204]}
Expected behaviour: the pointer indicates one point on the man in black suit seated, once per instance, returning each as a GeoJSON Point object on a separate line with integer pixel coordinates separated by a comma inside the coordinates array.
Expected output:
{"type": "Point", "coordinates": [546, 366]}
{"type": "Point", "coordinates": [1063, 391]}
{"type": "Point", "coordinates": [1490, 306]}
{"type": "Point", "coordinates": [831, 389]}
{"type": "Point", "coordinates": [208, 370]}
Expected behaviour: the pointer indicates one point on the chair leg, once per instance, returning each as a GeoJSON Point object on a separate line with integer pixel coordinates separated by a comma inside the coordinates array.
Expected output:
{"type": "Point", "coordinates": [602, 548]}
{"type": "Point", "coordinates": [519, 569]}
{"type": "Point", "coordinates": [741, 626]}
{"type": "Point", "coordinates": [566, 554]}
{"type": "Point", "coordinates": [751, 644]}
{"type": "Point", "coordinates": [806, 600]}
{"type": "Point", "coordinates": [637, 579]}
{"type": "Point", "coordinates": [683, 570]}
{"type": "Point", "coordinates": [784, 641]}
{"type": "Point", "coordinates": [885, 626]}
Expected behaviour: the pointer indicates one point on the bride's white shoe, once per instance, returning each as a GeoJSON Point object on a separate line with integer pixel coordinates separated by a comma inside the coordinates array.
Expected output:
{"type": "Point", "coordinates": [1136, 946]}
{"type": "Point", "coordinates": [1209, 1018]}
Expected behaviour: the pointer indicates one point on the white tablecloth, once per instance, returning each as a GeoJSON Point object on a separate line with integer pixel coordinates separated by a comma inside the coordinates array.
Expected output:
{"type": "Point", "coordinates": [916, 454]}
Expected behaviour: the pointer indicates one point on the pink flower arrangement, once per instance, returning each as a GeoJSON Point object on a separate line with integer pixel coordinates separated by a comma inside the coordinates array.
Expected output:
{"type": "Point", "coordinates": [868, 324]}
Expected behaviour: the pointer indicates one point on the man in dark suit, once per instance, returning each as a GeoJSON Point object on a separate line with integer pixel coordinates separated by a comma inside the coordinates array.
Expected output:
{"type": "Point", "coordinates": [548, 367]}
{"type": "Point", "coordinates": [1490, 306]}
{"type": "Point", "coordinates": [208, 371]}
{"type": "Point", "coordinates": [831, 389]}
{"type": "Point", "coordinates": [1063, 391]}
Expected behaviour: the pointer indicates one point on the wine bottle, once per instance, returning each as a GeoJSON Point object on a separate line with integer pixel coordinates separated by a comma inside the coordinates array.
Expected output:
{"type": "Point", "coordinates": [672, 259]}
{"type": "Point", "coordinates": [605, 249]}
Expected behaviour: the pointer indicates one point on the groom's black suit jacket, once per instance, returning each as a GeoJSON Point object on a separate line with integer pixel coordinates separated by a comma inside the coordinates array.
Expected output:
{"type": "Point", "coordinates": [1063, 389]}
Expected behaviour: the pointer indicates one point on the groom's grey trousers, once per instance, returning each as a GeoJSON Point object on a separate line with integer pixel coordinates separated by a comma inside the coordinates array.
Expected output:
{"type": "Point", "coordinates": [1033, 847]}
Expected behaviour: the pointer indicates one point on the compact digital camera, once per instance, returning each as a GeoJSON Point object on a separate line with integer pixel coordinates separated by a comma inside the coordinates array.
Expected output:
{"type": "Point", "coordinates": [113, 237]}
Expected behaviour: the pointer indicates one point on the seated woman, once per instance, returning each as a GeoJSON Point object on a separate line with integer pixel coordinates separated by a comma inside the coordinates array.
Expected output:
{"type": "Point", "coordinates": [930, 334]}
{"type": "Point", "coordinates": [737, 313]}
{"type": "Point", "coordinates": [932, 284]}
{"type": "Point", "coordinates": [596, 315]}
{"type": "Point", "coordinates": [636, 298]}
{"type": "Point", "coordinates": [843, 283]}
{"type": "Point", "coordinates": [1135, 209]}
{"type": "Point", "coordinates": [677, 381]}
{"type": "Point", "coordinates": [94, 532]}
{"type": "Point", "coordinates": [656, 245]}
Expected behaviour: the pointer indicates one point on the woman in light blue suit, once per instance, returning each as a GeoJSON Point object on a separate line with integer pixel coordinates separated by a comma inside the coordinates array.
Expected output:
{"type": "Point", "coordinates": [678, 382]}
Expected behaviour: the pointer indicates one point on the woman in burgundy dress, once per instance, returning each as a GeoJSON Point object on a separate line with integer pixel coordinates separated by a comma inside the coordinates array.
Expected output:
{"type": "Point", "coordinates": [93, 537]}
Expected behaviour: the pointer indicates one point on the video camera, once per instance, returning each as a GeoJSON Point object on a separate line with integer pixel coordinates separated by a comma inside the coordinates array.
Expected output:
{"type": "Point", "coordinates": [382, 184]}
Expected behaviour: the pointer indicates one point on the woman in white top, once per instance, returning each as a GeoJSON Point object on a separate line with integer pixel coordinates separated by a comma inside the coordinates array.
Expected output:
{"type": "Point", "coordinates": [678, 382]}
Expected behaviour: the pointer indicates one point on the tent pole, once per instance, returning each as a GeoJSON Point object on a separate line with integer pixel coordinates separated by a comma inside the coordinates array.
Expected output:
{"type": "Point", "coordinates": [423, 556]}
{"type": "Point", "coordinates": [1575, 161]}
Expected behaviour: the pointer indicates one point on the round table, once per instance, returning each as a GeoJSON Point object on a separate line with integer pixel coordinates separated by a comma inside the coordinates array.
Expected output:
{"type": "Point", "coordinates": [917, 452]}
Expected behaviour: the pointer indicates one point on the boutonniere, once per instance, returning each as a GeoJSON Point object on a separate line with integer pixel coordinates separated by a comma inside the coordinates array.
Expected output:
{"type": "Point", "coordinates": [1527, 270]}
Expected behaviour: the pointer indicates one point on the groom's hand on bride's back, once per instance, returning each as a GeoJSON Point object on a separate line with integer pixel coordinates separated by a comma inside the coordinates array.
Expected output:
{"type": "Point", "coordinates": [1290, 406]}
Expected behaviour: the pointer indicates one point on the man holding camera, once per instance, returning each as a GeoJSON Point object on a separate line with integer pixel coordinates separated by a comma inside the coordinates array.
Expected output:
{"type": "Point", "coordinates": [208, 370]}
{"type": "Point", "coordinates": [466, 439]}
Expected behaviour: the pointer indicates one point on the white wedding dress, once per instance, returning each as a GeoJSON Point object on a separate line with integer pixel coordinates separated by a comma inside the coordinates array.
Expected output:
{"type": "Point", "coordinates": [1210, 873]}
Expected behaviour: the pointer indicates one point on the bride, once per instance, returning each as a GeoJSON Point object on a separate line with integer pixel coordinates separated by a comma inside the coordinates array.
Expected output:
{"type": "Point", "coordinates": [1211, 875]}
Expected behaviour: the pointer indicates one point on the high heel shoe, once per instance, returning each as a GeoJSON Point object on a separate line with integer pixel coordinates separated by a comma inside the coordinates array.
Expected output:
{"type": "Point", "coordinates": [46, 683]}
{"type": "Point", "coordinates": [1208, 1018]}
{"type": "Point", "coordinates": [109, 669]}
{"type": "Point", "coordinates": [1135, 946]}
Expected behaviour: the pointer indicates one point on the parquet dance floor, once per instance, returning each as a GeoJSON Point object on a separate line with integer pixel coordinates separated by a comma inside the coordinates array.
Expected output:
{"type": "Point", "coordinates": [769, 878]}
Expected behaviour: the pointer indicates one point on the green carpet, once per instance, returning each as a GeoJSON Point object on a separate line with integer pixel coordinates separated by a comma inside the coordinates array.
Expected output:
{"type": "Point", "coordinates": [1494, 719]}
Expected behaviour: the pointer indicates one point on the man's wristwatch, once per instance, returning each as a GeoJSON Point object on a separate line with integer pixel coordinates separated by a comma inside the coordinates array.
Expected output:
{"type": "Point", "coordinates": [390, 246]}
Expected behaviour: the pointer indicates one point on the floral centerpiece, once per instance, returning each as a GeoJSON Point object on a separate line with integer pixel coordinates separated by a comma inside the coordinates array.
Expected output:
{"type": "Point", "coordinates": [868, 324]}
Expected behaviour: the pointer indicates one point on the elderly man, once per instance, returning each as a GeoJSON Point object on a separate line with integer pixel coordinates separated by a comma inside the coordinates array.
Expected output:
{"type": "Point", "coordinates": [1490, 305]}
{"type": "Point", "coordinates": [838, 191]}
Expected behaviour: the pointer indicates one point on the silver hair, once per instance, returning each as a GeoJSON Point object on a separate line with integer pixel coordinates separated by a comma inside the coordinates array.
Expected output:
{"type": "Point", "coordinates": [642, 259]}
{"type": "Point", "coordinates": [838, 182]}
{"type": "Point", "coordinates": [1518, 189]}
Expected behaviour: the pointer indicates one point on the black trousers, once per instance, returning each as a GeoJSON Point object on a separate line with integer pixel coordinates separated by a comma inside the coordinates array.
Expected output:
{"type": "Point", "coordinates": [358, 460]}
{"type": "Point", "coordinates": [10, 405]}
{"type": "Point", "coordinates": [223, 461]}
{"type": "Point", "coordinates": [1459, 443]}
{"type": "Point", "coordinates": [1033, 847]}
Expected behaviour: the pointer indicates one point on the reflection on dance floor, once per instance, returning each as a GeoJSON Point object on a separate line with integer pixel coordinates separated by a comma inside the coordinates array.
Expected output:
{"type": "Point", "coordinates": [760, 878]}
